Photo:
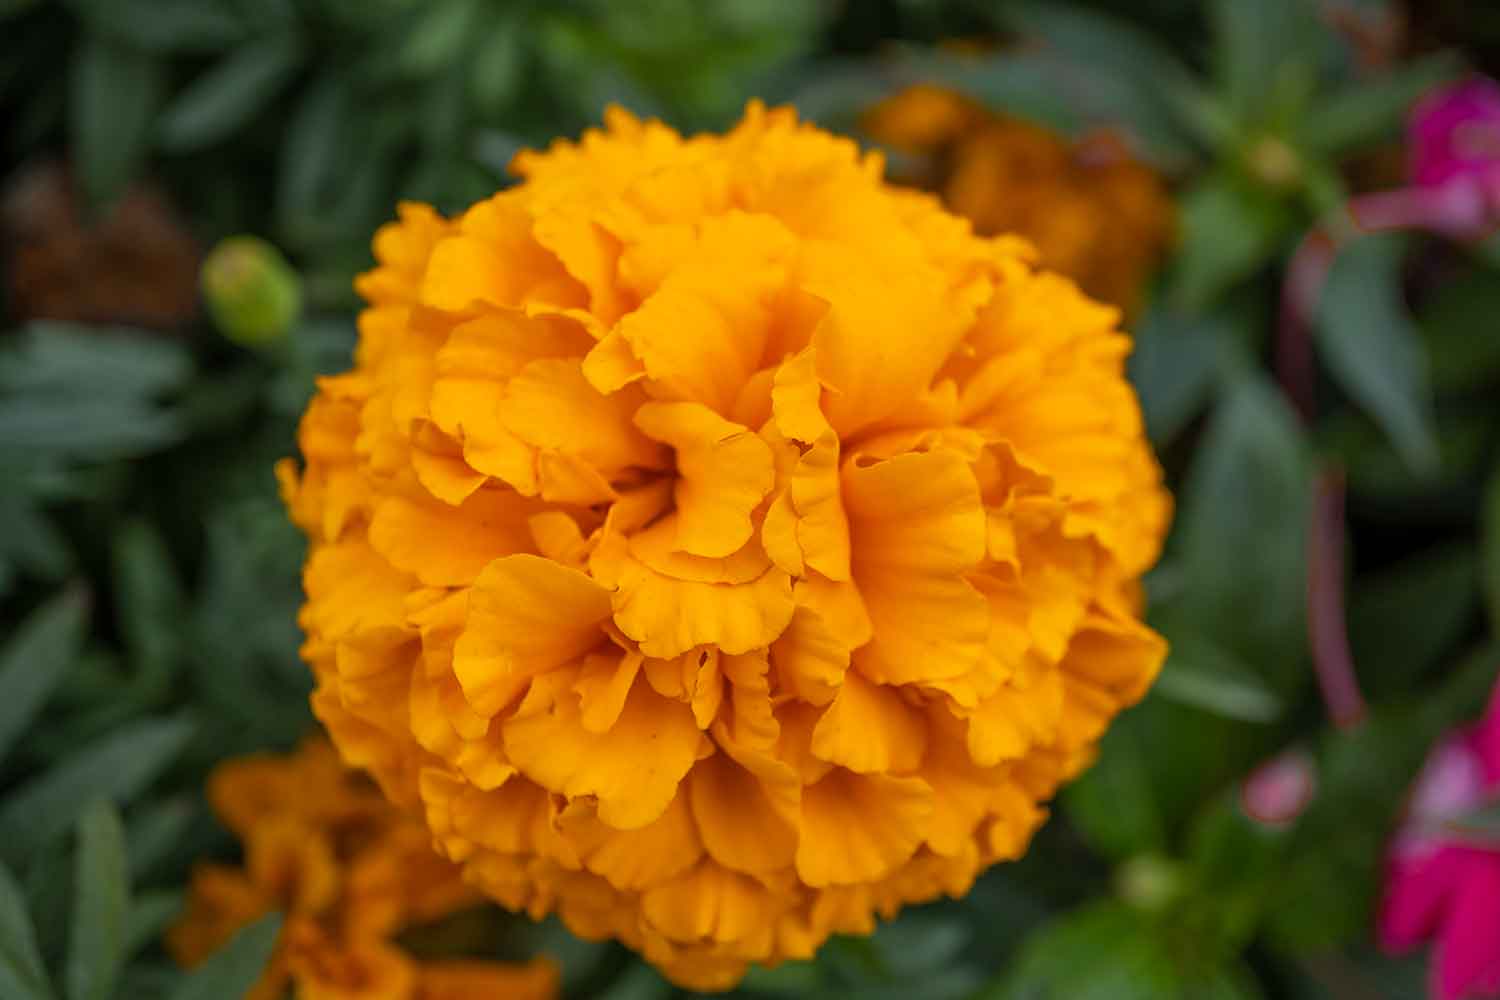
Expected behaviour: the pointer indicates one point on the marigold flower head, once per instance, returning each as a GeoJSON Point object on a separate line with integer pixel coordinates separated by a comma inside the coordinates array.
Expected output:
{"type": "Point", "coordinates": [718, 546]}
{"type": "Point", "coordinates": [349, 871]}
{"type": "Point", "coordinates": [1093, 212]}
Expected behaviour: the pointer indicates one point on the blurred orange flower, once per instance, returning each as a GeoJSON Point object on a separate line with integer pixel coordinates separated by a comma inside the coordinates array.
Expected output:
{"type": "Point", "coordinates": [350, 872]}
{"type": "Point", "coordinates": [719, 546]}
{"type": "Point", "coordinates": [1094, 213]}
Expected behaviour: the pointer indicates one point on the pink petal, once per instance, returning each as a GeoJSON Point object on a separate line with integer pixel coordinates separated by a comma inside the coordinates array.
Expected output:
{"type": "Point", "coordinates": [1487, 739]}
{"type": "Point", "coordinates": [1468, 952]}
{"type": "Point", "coordinates": [1419, 885]}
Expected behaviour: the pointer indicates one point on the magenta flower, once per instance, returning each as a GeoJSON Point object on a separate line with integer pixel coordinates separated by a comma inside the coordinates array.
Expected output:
{"type": "Point", "coordinates": [1455, 133]}
{"type": "Point", "coordinates": [1442, 886]}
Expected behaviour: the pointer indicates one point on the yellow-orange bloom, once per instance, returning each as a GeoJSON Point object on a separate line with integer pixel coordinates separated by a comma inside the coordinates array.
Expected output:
{"type": "Point", "coordinates": [1093, 212]}
{"type": "Point", "coordinates": [350, 872]}
{"type": "Point", "coordinates": [719, 546]}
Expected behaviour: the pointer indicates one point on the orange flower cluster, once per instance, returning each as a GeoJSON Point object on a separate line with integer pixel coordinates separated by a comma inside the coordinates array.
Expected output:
{"type": "Point", "coordinates": [1093, 212]}
{"type": "Point", "coordinates": [350, 872]}
{"type": "Point", "coordinates": [719, 546]}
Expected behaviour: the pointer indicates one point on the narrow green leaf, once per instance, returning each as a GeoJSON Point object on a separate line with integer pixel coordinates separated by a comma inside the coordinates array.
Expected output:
{"type": "Point", "coordinates": [496, 71]}
{"type": "Point", "coordinates": [1118, 73]}
{"type": "Point", "coordinates": [1403, 619]}
{"type": "Point", "coordinates": [1256, 45]}
{"type": "Point", "coordinates": [116, 767]}
{"type": "Point", "coordinates": [22, 974]}
{"type": "Point", "coordinates": [164, 26]}
{"type": "Point", "coordinates": [114, 95]}
{"type": "Point", "coordinates": [1228, 231]}
{"type": "Point", "coordinates": [35, 659]}
{"type": "Point", "coordinates": [1366, 111]}
{"type": "Point", "coordinates": [228, 95]}
{"type": "Point", "coordinates": [441, 31]}
{"type": "Point", "coordinates": [101, 904]}
{"type": "Point", "coordinates": [1200, 674]}
{"type": "Point", "coordinates": [310, 151]}
{"type": "Point", "coordinates": [1489, 542]}
{"type": "Point", "coordinates": [149, 604]}
{"type": "Point", "coordinates": [233, 969]}
{"type": "Point", "coordinates": [150, 913]}
{"type": "Point", "coordinates": [1372, 349]}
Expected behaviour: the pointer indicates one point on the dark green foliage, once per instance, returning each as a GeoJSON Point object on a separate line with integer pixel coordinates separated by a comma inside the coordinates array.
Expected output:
{"type": "Point", "coordinates": [149, 580]}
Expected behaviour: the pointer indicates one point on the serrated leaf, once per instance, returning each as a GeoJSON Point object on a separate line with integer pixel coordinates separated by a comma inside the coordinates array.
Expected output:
{"type": "Point", "coordinates": [35, 659]}
{"type": "Point", "coordinates": [1368, 110]}
{"type": "Point", "coordinates": [101, 905]}
{"type": "Point", "coordinates": [22, 974]}
{"type": "Point", "coordinates": [1371, 347]}
{"type": "Point", "coordinates": [116, 767]}
{"type": "Point", "coordinates": [1229, 231]}
{"type": "Point", "coordinates": [220, 101]}
{"type": "Point", "coordinates": [1200, 674]}
{"type": "Point", "coordinates": [233, 969]}
{"type": "Point", "coordinates": [114, 94]}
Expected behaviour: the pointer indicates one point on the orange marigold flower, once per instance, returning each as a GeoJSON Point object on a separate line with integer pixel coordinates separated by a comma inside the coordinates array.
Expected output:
{"type": "Point", "coordinates": [718, 546]}
{"type": "Point", "coordinates": [1093, 212]}
{"type": "Point", "coordinates": [349, 871]}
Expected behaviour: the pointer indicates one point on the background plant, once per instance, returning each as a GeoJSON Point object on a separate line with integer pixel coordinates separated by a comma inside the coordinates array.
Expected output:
{"type": "Point", "coordinates": [148, 579]}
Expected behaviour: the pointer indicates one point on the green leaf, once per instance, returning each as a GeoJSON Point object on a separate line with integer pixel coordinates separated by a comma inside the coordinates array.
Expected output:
{"type": "Point", "coordinates": [1405, 617]}
{"type": "Point", "coordinates": [233, 969]}
{"type": "Point", "coordinates": [220, 101]}
{"type": "Point", "coordinates": [1106, 951]}
{"type": "Point", "coordinates": [118, 766]}
{"type": "Point", "coordinates": [22, 974]}
{"type": "Point", "coordinates": [1372, 349]}
{"type": "Point", "coordinates": [1201, 674]}
{"type": "Point", "coordinates": [154, 831]}
{"type": "Point", "coordinates": [35, 658]}
{"type": "Point", "coordinates": [443, 28]}
{"type": "Point", "coordinates": [1114, 803]}
{"type": "Point", "coordinates": [1257, 46]}
{"type": "Point", "coordinates": [150, 913]}
{"type": "Point", "coordinates": [114, 95]}
{"type": "Point", "coordinates": [1489, 549]}
{"type": "Point", "coordinates": [1176, 362]}
{"type": "Point", "coordinates": [1369, 110]}
{"type": "Point", "coordinates": [1119, 73]}
{"type": "Point", "coordinates": [499, 63]}
{"type": "Point", "coordinates": [101, 903]}
{"type": "Point", "coordinates": [310, 151]}
{"type": "Point", "coordinates": [1229, 230]}
{"type": "Point", "coordinates": [1241, 531]}
{"type": "Point", "coordinates": [164, 26]}
{"type": "Point", "coordinates": [150, 606]}
{"type": "Point", "coordinates": [1454, 322]}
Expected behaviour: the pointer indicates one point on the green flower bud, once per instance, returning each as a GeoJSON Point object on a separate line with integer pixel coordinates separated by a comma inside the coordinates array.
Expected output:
{"type": "Point", "coordinates": [253, 294]}
{"type": "Point", "coordinates": [1149, 882]}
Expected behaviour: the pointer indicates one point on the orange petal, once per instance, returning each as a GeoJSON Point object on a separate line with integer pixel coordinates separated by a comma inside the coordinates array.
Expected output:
{"type": "Point", "coordinates": [748, 824]}
{"type": "Point", "coordinates": [724, 471]}
{"type": "Point", "coordinates": [840, 845]}
{"type": "Point", "coordinates": [527, 615]}
{"type": "Point", "coordinates": [870, 728]}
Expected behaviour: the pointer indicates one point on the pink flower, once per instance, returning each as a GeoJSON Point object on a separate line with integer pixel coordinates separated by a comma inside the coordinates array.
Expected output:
{"type": "Point", "coordinates": [1455, 133]}
{"type": "Point", "coordinates": [1439, 886]}
{"type": "Point", "coordinates": [1278, 791]}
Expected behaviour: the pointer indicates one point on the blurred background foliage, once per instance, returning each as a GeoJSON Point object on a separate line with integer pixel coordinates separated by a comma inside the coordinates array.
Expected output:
{"type": "Point", "coordinates": [149, 580]}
